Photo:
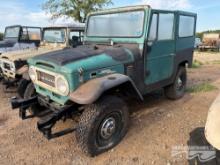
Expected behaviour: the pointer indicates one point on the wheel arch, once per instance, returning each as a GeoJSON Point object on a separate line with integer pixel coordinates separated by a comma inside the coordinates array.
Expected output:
{"type": "Point", "coordinates": [93, 89]}
{"type": "Point", "coordinates": [184, 63]}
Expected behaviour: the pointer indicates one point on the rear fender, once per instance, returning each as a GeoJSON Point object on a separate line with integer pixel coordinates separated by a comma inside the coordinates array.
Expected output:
{"type": "Point", "coordinates": [90, 91]}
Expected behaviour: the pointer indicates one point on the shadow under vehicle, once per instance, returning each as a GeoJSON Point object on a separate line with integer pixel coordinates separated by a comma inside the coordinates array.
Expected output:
{"type": "Point", "coordinates": [207, 140]}
{"type": "Point", "coordinates": [19, 37]}
{"type": "Point", "coordinates": [14, 68]}
{"type": "Point", "coordinates": [127, 53]}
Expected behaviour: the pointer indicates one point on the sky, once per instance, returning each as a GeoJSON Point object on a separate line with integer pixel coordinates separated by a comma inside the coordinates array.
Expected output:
{"type": "Point", "coordinates": [29, 12]}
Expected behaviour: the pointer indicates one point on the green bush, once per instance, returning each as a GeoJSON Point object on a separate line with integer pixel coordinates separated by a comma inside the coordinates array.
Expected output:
{"type": "Point", "coordinates": [204, 87]}
{"type": "Point", "coordinates": [196, 64]}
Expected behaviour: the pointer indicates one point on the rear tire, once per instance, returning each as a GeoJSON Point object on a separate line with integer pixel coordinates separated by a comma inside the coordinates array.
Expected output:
{"type": "Point", "coordinates": [102, 125]}
{"type": "Point", "coordinates": [177, 89]}
{"type": "Point", "coordinates": [22, 85]}
{"type": "Point", "coordinates": [31, 92]}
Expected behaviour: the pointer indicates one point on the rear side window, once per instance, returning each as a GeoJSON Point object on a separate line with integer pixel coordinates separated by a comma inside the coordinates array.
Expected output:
{"type": "Point", "coordinates": [34, 33]}
{"type": "Point", "coordinates": [186, 26]}
{"type": "Point", "coordinates": [166, 24]}
{"type": "Point", "coordinates": [29, 33]}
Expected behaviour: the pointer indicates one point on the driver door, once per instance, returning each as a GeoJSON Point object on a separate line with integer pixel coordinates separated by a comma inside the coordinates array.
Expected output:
{"type": "Point", "coordinates": [159, 58]}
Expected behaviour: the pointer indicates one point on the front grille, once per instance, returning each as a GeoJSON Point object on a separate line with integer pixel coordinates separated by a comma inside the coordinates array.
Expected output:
{"type": "Point", "coordinates": [7, 66]}
{"type": "Point", "coordinates": [46, 78]}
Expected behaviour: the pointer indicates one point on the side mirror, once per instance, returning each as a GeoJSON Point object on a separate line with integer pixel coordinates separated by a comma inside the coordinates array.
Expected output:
{"type": "Point", "coordinates": [75, 41]}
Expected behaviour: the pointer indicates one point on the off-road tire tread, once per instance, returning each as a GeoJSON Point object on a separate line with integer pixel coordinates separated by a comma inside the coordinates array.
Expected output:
{"type": "Point", "coordinates": [89, 116]}
{"type": "Point", "coordinates": [30, 90]}
{"type": "Point", "coordinates": [22, 85]}
{"type": "Point", "coordinates": [170, 91]}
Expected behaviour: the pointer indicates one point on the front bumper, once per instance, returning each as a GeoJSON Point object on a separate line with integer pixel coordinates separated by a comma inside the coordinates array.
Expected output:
{"type": "Point", "coordinates": [8, 73]}
{"type": "Point", "coordinates": [10, 78]}
{"type": "Point", "coordinates": [48, 117]}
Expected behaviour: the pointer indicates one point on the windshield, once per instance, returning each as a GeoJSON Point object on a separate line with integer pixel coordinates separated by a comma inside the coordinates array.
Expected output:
{"type": "Point", "coordinates": [12, 32]}
{"type": "Point", "coordinates": [126, 24]}
{"type": "Point", "coordinates": [54, 35]}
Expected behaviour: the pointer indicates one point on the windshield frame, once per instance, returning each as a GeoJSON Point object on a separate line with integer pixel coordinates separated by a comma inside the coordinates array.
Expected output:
{"type": "Point", "coordinates": [55, 28]}
{"type": "Point", "coordinates": [96, 14]}
{"type": "Point", "coordinates": [9, 27]}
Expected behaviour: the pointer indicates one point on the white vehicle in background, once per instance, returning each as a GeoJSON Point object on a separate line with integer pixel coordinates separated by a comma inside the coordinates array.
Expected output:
{"type": "Point", "coordinates": [198, 42]}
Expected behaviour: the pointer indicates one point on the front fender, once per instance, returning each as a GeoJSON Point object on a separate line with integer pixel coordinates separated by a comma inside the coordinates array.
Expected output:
{"type": "Point", "coordinates": [90, 91]}
{"type": "Point", "coordinates": [212, 128]}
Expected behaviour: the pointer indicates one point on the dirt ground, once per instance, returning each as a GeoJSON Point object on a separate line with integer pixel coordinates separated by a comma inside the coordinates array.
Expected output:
{"type": "Point", "coordinates": [156, 126]}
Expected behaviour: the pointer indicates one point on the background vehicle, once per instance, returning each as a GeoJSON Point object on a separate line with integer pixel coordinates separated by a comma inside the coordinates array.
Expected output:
{"type": "Point", "coordinates": [128, 52]}
{"type": "Point", "coordinates": [14, 64]}
{"type": "Point", "coordinates": [198, 42]}
{"type": "Point", "coordinates": [210, 41]}
{"type": "Point", "coordinates": [19, 37]}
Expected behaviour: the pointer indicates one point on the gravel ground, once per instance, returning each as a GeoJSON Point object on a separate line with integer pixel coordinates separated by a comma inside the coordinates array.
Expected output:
{"type": "Point", "coordinates": [156, 126]}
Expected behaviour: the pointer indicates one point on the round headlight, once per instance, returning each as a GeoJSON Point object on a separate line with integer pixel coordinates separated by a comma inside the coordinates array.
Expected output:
{"type": "Point", "coordinates": [62, 85]}
{"type": "Point", "coordinates": [32, 74]}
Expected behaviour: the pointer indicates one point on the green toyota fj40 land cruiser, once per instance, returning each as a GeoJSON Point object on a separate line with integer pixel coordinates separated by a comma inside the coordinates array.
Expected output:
{"type": "Point", "coordinates": [14, 69]}
{"type": "Point", "coordinates": [128, 51]}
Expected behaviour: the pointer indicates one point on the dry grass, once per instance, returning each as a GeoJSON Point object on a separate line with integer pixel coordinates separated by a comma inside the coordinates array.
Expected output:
{"type": "Point", "coordinates": [204, 87]}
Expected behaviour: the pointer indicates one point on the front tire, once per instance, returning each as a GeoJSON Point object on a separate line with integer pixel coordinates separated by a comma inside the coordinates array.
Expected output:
{"type": "Point", "coordinates": [102, 125]}
{"type": "Point", "coordinates": [177, 89]}
{"type": "Point", "coordinates": [31, 92]}
{"type": "Point", "coordinates": [22, 85]}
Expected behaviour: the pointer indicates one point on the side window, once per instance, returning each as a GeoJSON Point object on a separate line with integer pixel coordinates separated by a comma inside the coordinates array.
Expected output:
{"type": "Point", "coordinates": [74, 33]}
{"type": "Point", "coordinates": [186, 26]}
{"type": "Point", "coordinates": [153, 28]}
{"type": "Point", "coordinates": [166, 26]}
{"type": "Point", "coordinates": [34, 33]}
{"type": "Point", "coordinates": [77, 34]}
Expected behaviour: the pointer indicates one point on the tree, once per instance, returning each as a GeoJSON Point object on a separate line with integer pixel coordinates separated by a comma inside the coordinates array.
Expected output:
{"type": "Point", "coordinates": [77, 9]}
{"type": "Point", "coordinates": [1, 36]}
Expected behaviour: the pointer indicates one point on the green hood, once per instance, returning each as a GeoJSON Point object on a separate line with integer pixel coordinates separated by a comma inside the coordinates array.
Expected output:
{"type": "Point", "coordinates": [86, 58]}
